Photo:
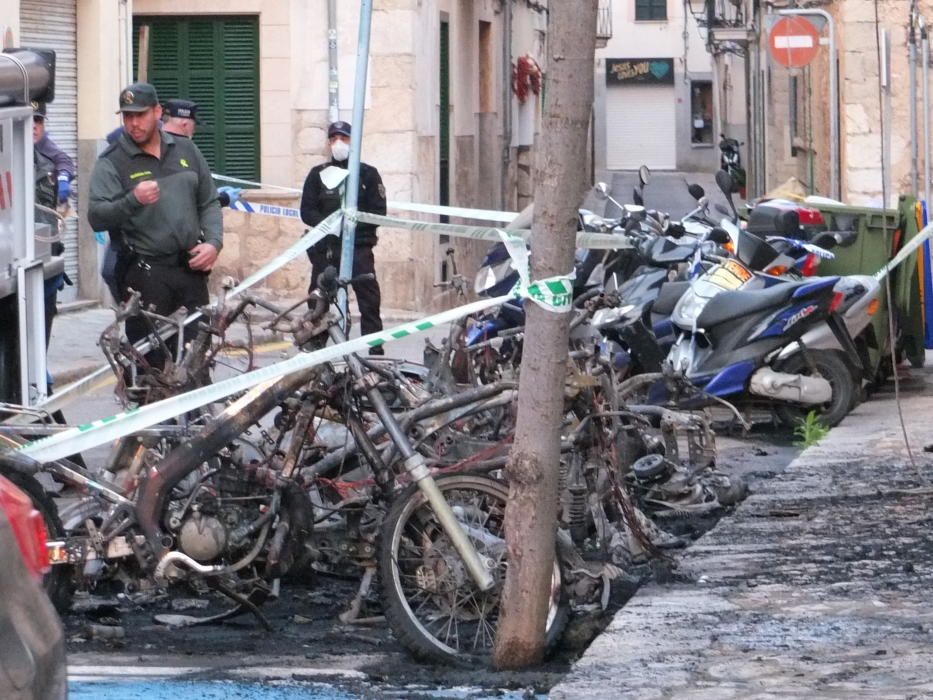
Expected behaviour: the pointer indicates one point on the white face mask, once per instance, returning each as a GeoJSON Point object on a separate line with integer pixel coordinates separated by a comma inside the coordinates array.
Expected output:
{"type": "Point", "coordinates": [340, 150]}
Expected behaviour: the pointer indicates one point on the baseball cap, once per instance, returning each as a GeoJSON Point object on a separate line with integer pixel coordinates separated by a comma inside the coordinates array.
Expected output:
{"type": "Point", "coordinates": [184, 109]}
{"type": "Point", "coordinates": [138, 97]}
{"type": "Point", "coordinates": [335, 128]}
{"type": "Point", "coordinates": [38, 109]}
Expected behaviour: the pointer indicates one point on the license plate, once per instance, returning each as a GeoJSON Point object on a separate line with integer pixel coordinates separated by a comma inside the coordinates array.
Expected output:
{"type": "Point", "coordinates": [729, 275]}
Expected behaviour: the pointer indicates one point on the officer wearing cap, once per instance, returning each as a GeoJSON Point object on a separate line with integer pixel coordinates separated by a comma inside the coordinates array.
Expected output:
{"type": "Point", "coordinates": [180, 117]}
{"type": "Point", "coordinates": [46, 147]}
{"type": "Point", "coordinates": [157, 190]}
{"type": "Point", "coordinates": [318, 202]}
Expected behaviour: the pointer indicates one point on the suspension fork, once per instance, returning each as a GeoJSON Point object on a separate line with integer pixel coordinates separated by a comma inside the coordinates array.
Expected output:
{"type": "Point", "coordinates": [414, 464]}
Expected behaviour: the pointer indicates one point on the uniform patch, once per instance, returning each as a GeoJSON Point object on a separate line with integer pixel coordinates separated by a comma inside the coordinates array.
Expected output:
{"type": "Point", "coordinates": [141, 173]}
{"type": "Point", "coordinates": [184, 163]}
{"type": "Point", "coordinates": [382, 190]}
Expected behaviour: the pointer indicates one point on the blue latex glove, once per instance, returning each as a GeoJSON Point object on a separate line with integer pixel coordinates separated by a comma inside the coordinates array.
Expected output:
{"type": "Point", "coordinates": [64, 187]}
{"type": "Point", "coordinates": [232, 192]}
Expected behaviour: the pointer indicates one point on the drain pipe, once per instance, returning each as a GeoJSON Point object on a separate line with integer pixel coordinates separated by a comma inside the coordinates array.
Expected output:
{"type": "Point", "coordinates": [506, 101]}
{"type": "Point", "coordinates": [912, 79]}
{"type": "Point", "coordinates": [333, 78]}
{"type": "Point", "coordinates": [925, 98]}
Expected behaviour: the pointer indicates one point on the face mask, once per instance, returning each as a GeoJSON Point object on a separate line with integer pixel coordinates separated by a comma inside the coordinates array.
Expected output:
{"type": "Point", "coordinates": [340, 150]}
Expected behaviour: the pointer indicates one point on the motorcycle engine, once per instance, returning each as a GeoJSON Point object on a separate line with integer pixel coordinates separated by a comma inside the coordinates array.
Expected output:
{"type": "Point", "coordinates": [208, 506]}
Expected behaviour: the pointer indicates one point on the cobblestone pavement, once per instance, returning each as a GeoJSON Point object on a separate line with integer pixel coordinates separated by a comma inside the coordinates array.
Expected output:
{"type": "Point", "coordinates": [818, 585]}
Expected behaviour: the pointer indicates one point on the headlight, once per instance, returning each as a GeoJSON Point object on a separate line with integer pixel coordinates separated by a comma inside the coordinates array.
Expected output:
{"type": "Point", "coordinates": [604, 317]}
{"type": "Point", "coordinates": [688, 309]}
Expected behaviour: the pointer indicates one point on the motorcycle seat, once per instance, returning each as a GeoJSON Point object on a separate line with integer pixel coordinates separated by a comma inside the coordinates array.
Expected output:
{"type": "Point", "coordinates": [668, 297]}
{"type": "Point", "coordinates": [732, 305]}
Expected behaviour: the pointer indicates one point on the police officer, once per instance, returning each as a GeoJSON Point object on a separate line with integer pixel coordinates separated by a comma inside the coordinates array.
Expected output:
{"type": "Point", "coordinates": [156, 189]}
{"type": "Point", "coordinates": [46, 147]}
{"type": "Point", "coordinates": [180, 117]}
{"type": "Point", "coordinates": [318, 202]}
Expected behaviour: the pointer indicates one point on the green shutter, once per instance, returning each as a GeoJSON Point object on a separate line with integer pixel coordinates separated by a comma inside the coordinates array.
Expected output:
{"type": "Point", "coordinates": [215, 62]}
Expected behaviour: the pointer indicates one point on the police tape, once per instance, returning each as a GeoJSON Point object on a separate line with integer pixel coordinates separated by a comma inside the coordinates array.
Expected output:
{"type": "Point", "coordinates": [551, 294]}
{"type": "Point", "coordinates": [601, 241]}
{"type": "Point", "coordinates": [292, 213]}
{"type": "Point", "coordinates": [105, 430]}
{"type": "Point", "coordinates": [330, 226]}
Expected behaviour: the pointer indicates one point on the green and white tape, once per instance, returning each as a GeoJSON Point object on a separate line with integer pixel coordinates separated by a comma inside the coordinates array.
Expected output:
{"type": "Point", "coordinates": [105, 430]}
{"type": "Point", "coordinates": [552, 294]}
{"type": "Point", "coordinates": [330, 226]}
{"type": "Point", "coordinates": [461, 212]}
{"type": "Point", "coordinates": [601, 241]}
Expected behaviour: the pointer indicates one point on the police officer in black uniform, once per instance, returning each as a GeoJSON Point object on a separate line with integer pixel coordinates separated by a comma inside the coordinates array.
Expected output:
{"type": "Point", "coordinates": [318, 202]}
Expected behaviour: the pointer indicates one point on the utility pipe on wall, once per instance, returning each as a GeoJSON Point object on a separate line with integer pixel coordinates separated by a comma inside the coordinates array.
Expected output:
{"type": "Point", "coordinates": [506, 101]}
{"type": "Point", "coordinates": [912, 80]}
{"type": "Point", "coordinates": [925, 97]}
{"type": "Point", "coordinates": [834, 179]}
{"type": "Point", "coordinates": [333, 77]}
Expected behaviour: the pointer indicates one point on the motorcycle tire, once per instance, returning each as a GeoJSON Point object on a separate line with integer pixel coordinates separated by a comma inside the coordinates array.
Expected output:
{"type": "Point", "coordinates": [58, 583]}
{"type": "Point", "coordinates": [831, 367]}
{"type": "Point", "coordinates": [429, 599]}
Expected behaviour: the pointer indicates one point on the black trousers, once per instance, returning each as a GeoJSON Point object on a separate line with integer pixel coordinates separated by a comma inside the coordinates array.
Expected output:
{"type": "Point", "coordinates": [368, 295]}
{"type": "Point", "coordinates": [166, 287]}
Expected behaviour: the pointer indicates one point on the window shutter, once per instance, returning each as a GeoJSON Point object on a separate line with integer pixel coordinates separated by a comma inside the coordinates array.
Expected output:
{"type": "Point", "coordinates": [215, 62]}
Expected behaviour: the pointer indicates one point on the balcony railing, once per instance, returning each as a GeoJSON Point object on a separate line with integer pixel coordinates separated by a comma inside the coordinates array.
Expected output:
{"type": "Point", "coordinates": [603, 23]}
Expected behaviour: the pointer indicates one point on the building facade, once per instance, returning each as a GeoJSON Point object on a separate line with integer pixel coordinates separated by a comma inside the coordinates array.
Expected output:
{"type": "Point", "coordinates": [655, 103]}
{"type": "Point", "coordinates": [442, 123]}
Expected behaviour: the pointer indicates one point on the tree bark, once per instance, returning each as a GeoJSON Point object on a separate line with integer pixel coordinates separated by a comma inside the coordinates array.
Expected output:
{"type": "Point", "coordinates": [560, 180]}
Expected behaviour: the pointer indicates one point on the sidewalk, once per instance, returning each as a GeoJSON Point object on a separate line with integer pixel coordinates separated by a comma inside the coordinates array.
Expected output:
{"type": "Point", "coordinates": [817, 586]}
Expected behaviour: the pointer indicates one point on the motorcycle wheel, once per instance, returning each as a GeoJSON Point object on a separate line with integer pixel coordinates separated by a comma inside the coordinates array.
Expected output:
{"type": "Point", "coordinates": [57, 582]}
{"type": "Point", "coordinates": [429, 598]}
{"type": "Point", "coordinates": [831, 367]}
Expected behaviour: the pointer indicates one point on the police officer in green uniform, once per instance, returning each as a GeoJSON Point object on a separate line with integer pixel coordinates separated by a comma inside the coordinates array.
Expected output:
{"type": "Point", "coordinates": [156, 189]}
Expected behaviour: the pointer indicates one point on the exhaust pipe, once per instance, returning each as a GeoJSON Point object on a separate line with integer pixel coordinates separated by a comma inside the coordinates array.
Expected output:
{"type": "Point", "coordinates": [790, 387]}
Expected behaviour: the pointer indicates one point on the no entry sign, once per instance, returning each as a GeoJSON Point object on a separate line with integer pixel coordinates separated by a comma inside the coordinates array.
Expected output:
{"type": "Point", "coordinates": [794, 42]}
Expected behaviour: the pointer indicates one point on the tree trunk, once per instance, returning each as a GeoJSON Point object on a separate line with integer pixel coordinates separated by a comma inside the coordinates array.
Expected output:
{"type": "Point", "coordinates": [560, 180]}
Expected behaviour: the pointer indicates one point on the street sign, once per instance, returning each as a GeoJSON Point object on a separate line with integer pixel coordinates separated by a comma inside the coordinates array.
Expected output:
{"type": "Point", "coordinates": [794, 42]}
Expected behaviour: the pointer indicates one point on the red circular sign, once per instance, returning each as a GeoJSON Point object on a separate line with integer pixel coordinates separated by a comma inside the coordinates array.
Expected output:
{"type": "Point", "coordinates": [794, 42]}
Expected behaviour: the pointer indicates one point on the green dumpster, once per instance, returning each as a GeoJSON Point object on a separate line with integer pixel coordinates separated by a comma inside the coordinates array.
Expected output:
{"type": "Point", "coordinates": [881, 233]}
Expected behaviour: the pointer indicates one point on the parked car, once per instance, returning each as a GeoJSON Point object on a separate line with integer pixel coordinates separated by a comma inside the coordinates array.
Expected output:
{"type": "Point", "coordinates": [32, 647]}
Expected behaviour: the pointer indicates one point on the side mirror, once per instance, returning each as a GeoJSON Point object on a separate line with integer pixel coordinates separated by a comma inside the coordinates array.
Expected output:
{"type": "Point", "coordinates": [718, 235]}
{"type": "Point", "coordinates": [644, 174]}
{"type": "Point", "coordinates": [724, 182]}
{"type": "Point", "coordinates": [696, 191]}
{"type": "Point", "coordinates": [602, 189]}
{"type": "Point", "coordinates": [637, 198]}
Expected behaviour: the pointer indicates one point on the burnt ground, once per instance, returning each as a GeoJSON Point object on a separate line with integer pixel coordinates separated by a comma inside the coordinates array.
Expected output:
{"type": "Point", "coordinates": [818, 585]}
{"type": "Point", "coordinates": [306, 630]}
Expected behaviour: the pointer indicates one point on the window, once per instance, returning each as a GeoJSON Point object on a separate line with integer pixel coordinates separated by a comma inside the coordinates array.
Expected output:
{"type": "Point", "coordinates": [650, 10]}
{"type": "Point", "coordinates": [701, 112]}
{"type": "Point", "coordinates": [213, 61]}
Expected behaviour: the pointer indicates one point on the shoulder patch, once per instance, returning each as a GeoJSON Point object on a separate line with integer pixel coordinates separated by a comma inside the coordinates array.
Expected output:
{"type": "Point", "coordinates": [184, 163]}
{"type": "Point", "coordinates": [382, 190]}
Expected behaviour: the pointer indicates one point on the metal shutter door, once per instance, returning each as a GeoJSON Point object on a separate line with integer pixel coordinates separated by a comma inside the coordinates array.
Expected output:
{"type": "Point", "coordinates": [641, 127]}
{"type": "Point", "coordinates": [52, 24]}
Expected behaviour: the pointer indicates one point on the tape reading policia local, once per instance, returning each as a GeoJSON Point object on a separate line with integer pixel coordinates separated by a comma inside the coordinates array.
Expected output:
{"type": "Point", "coordinates": [105, 430]}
